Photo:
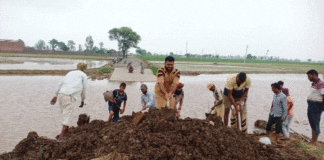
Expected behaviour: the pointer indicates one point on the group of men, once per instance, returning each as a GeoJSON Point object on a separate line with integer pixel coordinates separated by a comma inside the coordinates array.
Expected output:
{"type": "Point", "coordinates": [168, 92]}
{"type": "Point", "coordinates": [282, 107]}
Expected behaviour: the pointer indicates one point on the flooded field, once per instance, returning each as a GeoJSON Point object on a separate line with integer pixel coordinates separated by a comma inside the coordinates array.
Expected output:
{"type": "Point", "coordinates": [25, 102]}
{"type": "Point", "coordinates": [216, 67]}
{"type": "Point", "coordinates": [7, 63]}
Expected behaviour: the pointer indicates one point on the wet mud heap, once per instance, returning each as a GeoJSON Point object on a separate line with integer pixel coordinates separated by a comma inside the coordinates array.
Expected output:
{"type": "Point", "coordinates": [159, 136]}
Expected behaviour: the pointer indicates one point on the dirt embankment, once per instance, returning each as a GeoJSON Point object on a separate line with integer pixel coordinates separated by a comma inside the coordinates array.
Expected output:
{"type": "Point", "coordinates": [160, 136]}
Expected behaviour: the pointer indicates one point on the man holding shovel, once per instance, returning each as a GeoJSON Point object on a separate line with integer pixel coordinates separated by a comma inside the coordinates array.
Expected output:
{"type": "Point", "coordinates": [147, 98]}
{"type": "Point", "coordinates": [235, 93]}
{"type": "Point", "coordinates": [119, 96]}
{"type": "Point", "coordinates": [218, 107]}
{"type": "Point", "coordinates": [167, 81]}
{"type": "Point", "coordinates": [68, 90]}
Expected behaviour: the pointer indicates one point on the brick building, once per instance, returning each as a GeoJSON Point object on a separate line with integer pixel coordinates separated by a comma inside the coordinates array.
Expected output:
{"type": "Point", "coordinates": [11, 46]}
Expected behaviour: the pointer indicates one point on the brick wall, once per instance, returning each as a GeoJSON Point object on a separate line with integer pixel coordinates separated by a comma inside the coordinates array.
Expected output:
{"type": "Point", "coordinates": [11, 46]}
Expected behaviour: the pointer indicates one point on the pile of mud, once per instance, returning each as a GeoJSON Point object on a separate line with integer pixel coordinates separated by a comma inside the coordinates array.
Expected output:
{"type": "Point", "coordinates": [160, 136]}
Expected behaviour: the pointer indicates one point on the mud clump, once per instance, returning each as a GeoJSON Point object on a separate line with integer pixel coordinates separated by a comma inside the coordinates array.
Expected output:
{"type": "Point", "coordinates": [83, 119]}
{"type": "Point", "coordinates": [159, 136]}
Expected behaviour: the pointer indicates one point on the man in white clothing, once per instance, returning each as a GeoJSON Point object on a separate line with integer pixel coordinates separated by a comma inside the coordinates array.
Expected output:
{"type": "Point", "coordinates": [73, 85]}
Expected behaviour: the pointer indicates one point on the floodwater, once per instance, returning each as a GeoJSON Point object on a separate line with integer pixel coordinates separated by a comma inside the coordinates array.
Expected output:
{"type": "Point", "coordinates": [46, 63]}
{"type": "Point", "coordinates": [24, 102]}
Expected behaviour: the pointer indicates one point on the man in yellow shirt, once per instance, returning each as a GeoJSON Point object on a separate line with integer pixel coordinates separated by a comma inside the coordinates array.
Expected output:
{"type": "Point", "coordinates": [235, 93]}
{"type": "Point", "coordinates": [167, 80]}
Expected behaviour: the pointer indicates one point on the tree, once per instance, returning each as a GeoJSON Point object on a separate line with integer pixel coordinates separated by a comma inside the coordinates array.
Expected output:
{"type": "Point", "coordinates": [71, 45]}
{"type": "Point", "coordinates": [171, 54]}
{"type": "Point", "coordinates": [101, 44]}
{"type": "Point", "coordinates": [95, 49]}
{"type": "Point", "coordinates": [111, 51]}
{"type": "Point", "coordinates": [80, 48]}
{"type": "Point", "coordinates": [53, 43]}
{"type": "Point", "coordinates": [89, 43]}
{"type": "Point", "coordinates": [47, 47]}
{"type": "Point", "coordinates": [309, 60]}
{"type": "Point", "coordinates": [249, 56]}
{"type": "Point", "coordinates": [140, 51]}
{"type": "Point", "coordinates": [187, 55]}
{"type": "Point", "coordinates": [63, 46]}
{"type": "Point", "coordinates": [125, 37]}
{"type": "Point", "coordinates": [40, 45]}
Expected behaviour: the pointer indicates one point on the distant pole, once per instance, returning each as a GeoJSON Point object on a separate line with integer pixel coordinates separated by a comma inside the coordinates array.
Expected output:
{"type": "Point", "coordinates": [246, 52]}
{"type": "Point", "coordinates": [187, 47]}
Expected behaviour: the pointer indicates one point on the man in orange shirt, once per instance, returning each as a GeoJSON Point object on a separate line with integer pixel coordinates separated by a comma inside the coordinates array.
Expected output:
{"type": "Point", "coordinates": [166, 84]}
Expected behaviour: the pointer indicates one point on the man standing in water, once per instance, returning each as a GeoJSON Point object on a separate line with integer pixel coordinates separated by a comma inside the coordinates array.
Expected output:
{"type": "Point", "coordinates": [315, 102]}
{"type": "Point", "coordinates": [167, 81]}
{"type": "Point", "coordinates": [73, 84]}
{"type": "Point", "coordinates": [235, 93]}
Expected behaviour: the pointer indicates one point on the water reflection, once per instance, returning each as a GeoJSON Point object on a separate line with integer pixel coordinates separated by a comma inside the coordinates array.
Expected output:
{"type": "Point", "coordinates": [25, 102]}
{"type": "Point", "coordinates": [46, 63]}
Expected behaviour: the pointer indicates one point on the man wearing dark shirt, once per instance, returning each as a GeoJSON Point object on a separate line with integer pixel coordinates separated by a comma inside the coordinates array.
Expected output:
{"type": "Point", "coordinates": [114, 105]}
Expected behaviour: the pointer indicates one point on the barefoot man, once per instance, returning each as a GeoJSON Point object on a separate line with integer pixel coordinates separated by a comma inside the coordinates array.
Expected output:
{"type": "Point", "coordinates": [73, 85]}
{"type": "Point", "coordinates": [315, 102]}
{"type": "Point", "coordinates": [167, 81]}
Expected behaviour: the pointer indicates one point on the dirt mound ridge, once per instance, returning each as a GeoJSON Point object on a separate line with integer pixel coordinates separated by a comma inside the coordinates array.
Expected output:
{"type": "Point", "coordinates": [159, 136]}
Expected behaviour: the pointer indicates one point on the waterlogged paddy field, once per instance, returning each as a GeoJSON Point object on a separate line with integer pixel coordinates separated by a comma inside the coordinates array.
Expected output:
{"type": "Point", "coordinates": [15, 63]}
{"type": "Point", "coordinates": [25, 102]}
{"type": "Point", "coordinates": [231, 67]}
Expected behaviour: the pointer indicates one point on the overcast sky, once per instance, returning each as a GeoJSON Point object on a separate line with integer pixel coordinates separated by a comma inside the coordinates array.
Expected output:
{"type": "Point", "coordinates": [289, 29]}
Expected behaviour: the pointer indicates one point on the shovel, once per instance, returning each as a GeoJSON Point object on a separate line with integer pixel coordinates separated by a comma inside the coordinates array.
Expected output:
{"type": "Point", "coordinates": [208, 114]}
{"type": "Point", "coordinates": [168, 104]}
{"type": "Point", "coordinates": [238, 118]}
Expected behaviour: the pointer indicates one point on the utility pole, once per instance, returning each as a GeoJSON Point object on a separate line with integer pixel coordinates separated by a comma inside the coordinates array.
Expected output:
{"type": "Point", "coordinates": [187, 47]}
{"type": "Point", "coordinates": [246, 52]}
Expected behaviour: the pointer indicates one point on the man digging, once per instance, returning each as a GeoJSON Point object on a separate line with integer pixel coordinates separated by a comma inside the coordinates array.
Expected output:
{"type": "Point", "coordinates": [218, 107]}
{"type": "Point", "coordinates": [73, 85]}
{"type": "Point", "coordinates": [147, 98]}
{"type": "Point", "coordinates": [119, 96]}
{"type": "Point", "coordinates": [235, 93]}
{"type": "Point", "coordinates": [167, 81]}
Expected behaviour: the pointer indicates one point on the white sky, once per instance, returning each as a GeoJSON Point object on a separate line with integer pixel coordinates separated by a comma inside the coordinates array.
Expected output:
{"type": "Point", "coordinates": [289, 29]}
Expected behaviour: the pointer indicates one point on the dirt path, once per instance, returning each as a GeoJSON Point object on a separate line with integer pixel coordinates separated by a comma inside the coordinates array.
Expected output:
{"type": "Point", "coordinates": [121, 72]}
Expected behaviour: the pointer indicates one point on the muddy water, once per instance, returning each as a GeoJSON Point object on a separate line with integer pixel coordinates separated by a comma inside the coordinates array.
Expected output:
{"type": "Point", "coordinates": [46, 63]}
{"type": "Point", "coordinates": [24, 102]}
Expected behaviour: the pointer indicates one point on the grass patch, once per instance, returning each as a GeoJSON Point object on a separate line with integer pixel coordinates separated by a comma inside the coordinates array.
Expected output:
{"type": "Point", "coordinates": [99, 57]}
{"type": "Point", "coordinates": [104, 70]}
{"type": "Point", "coordinates": [154, 69]}
{"type": "Point", "coordinates": [306, 149]}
